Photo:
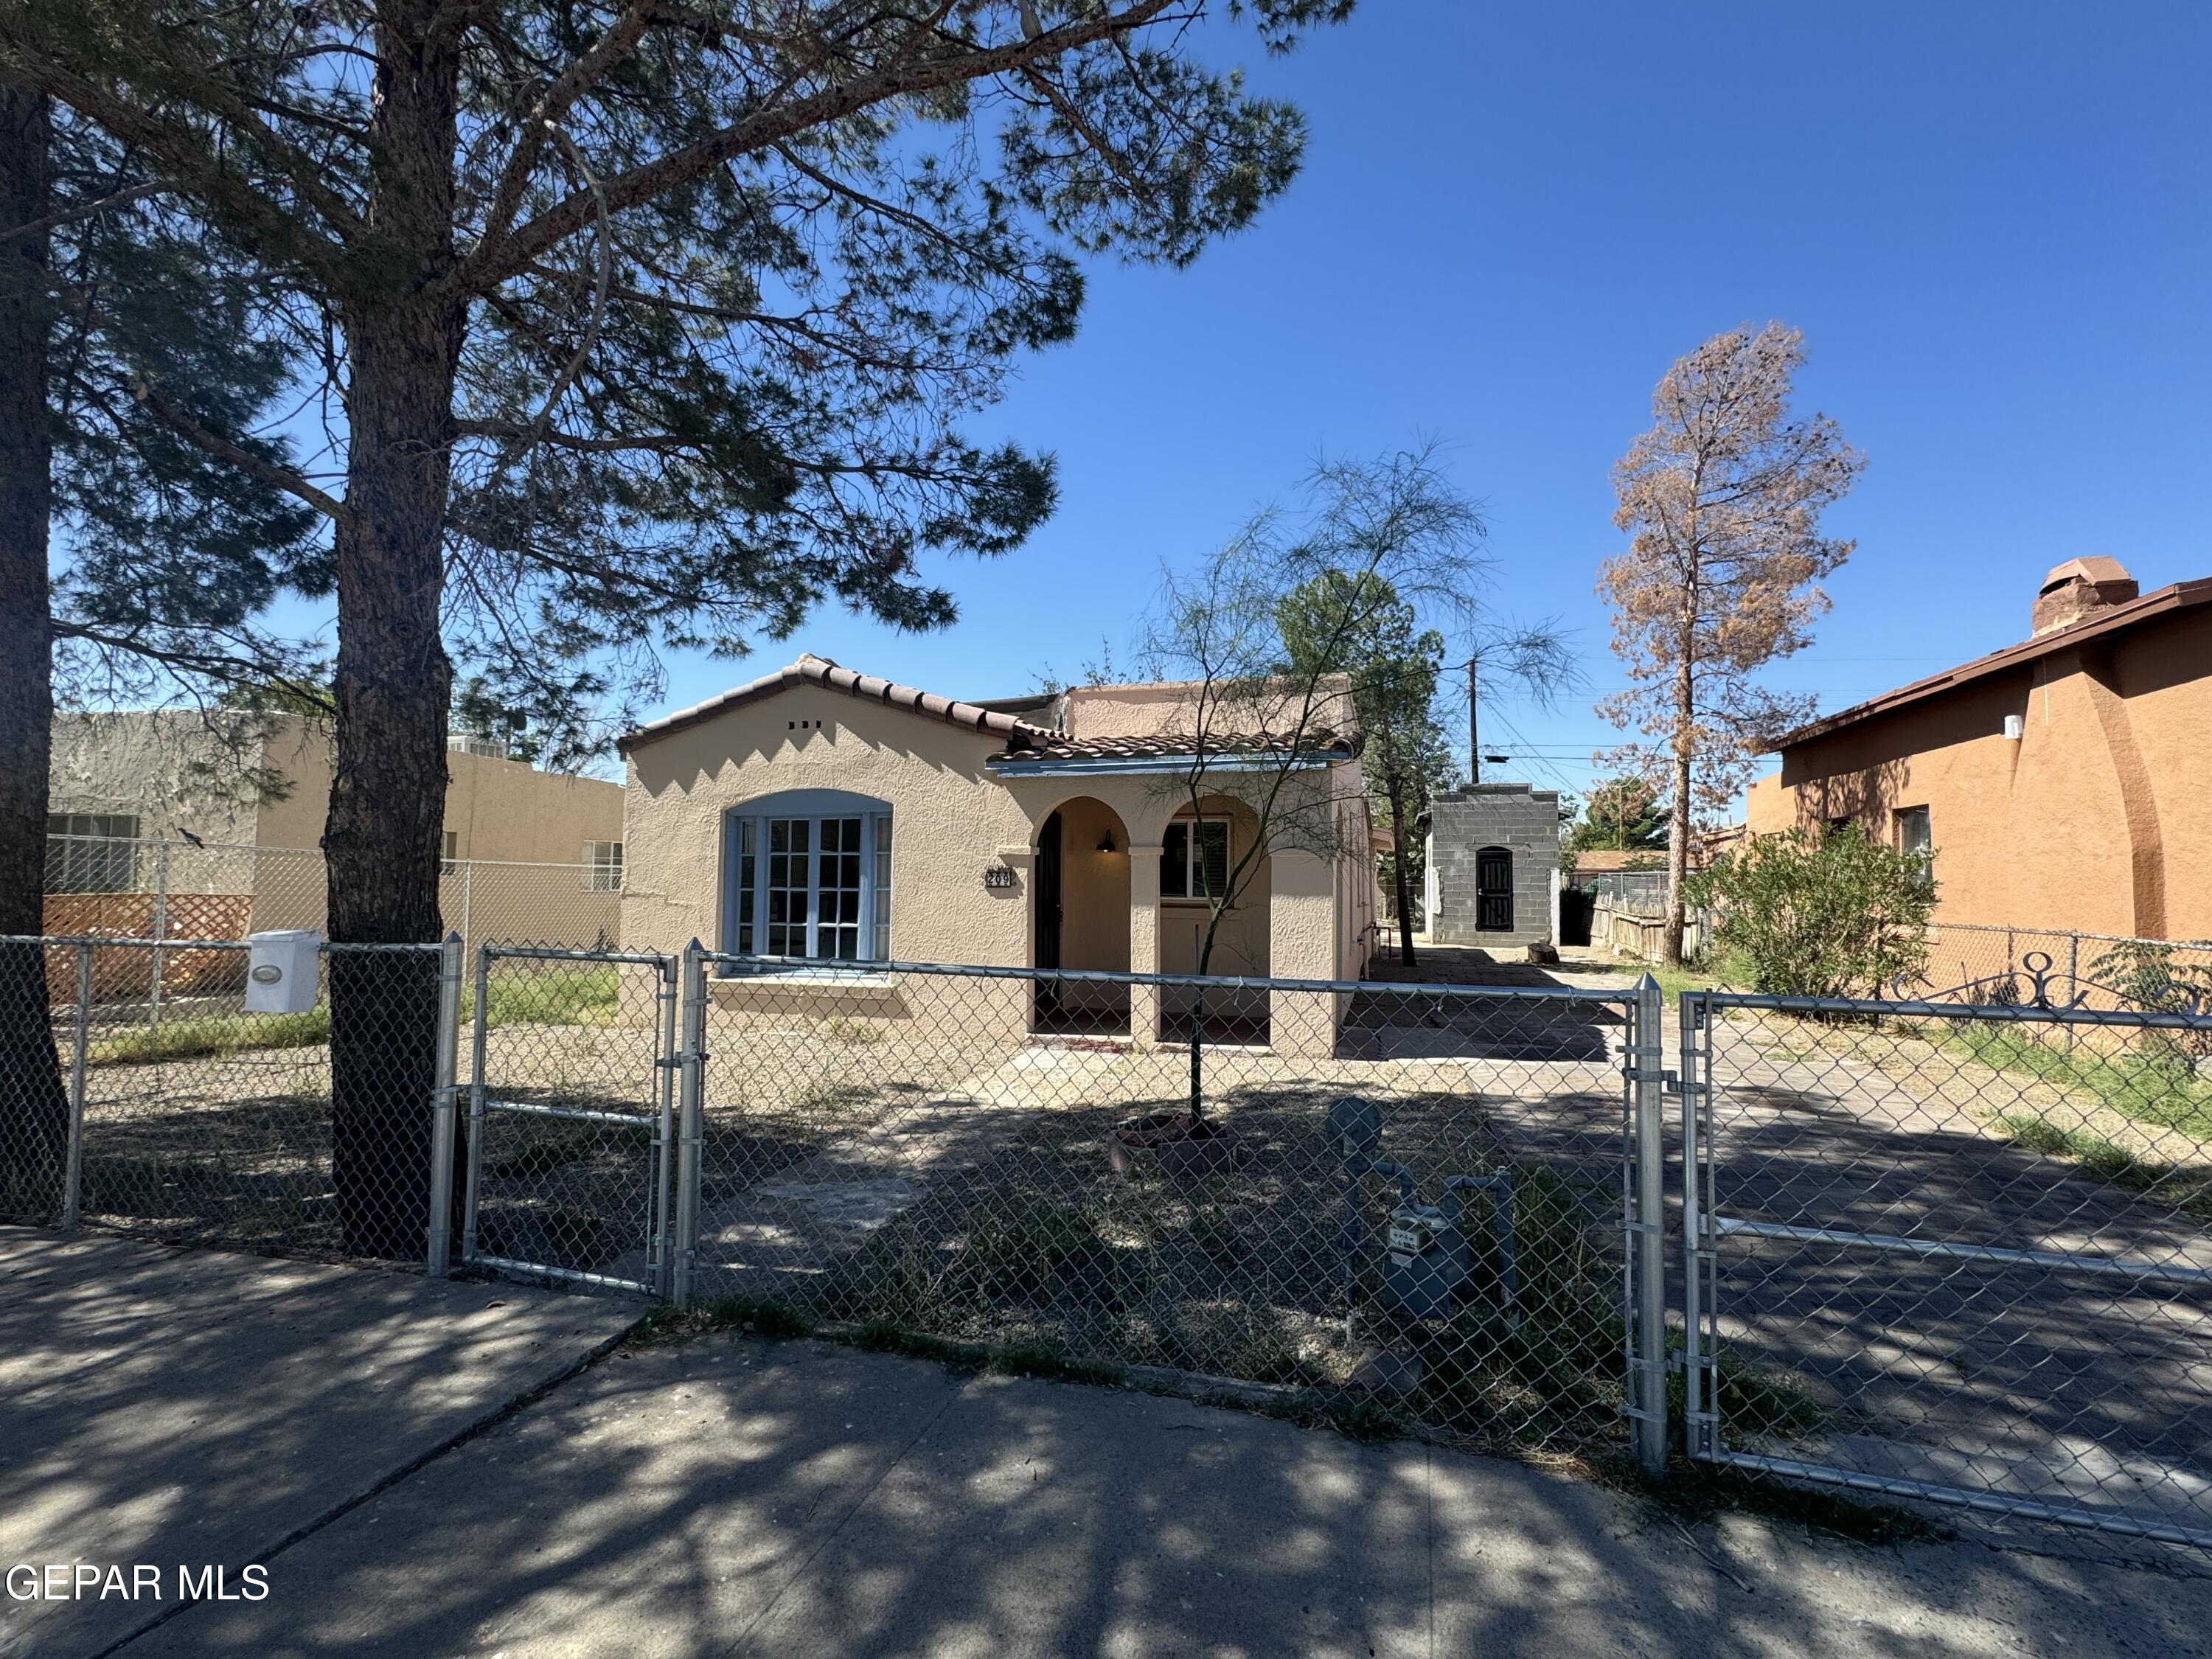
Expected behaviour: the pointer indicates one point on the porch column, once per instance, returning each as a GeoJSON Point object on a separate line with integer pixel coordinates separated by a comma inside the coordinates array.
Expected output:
{"type": "Point", "coordinates": [1302, 945]}
{"type": "Point", "coordinates": [1144, 940]}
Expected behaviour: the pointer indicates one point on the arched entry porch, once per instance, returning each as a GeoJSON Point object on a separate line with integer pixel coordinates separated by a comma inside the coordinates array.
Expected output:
{"type": "Point", "coordinates": [1081, 919]}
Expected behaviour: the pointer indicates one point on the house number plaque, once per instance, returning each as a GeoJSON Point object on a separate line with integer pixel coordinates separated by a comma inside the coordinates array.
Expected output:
{"type": "Point", "coordinates": [998, 875]}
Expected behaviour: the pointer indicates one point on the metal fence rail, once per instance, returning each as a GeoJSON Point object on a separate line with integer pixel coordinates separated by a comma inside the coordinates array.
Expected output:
{"type": "Point", "coordinates": [1956, 1249]}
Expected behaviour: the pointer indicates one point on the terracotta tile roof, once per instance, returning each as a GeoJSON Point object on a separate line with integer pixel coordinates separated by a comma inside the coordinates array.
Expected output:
{"type": "Point", "coordinates": [810, 669]}
{"type": "Point", "coordinates": [2131, 613]}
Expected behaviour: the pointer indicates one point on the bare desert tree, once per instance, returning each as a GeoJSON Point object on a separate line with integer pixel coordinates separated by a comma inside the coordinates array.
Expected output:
{"type": "Point", "coordinates": [1722, 500]}
{"type": "Point", "coordinates": [1268, 636]}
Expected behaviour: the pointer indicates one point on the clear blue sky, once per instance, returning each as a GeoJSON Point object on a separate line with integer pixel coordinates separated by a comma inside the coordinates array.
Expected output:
{"type": "Point", "coordinates": [1992, 221]}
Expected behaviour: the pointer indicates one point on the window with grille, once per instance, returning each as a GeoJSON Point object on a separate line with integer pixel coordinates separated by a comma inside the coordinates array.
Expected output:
{"type": "Point", "coordinates": [807, 873]}
{"type": "Point", "coordinates": [92, 852]}
{"type": "Point", "coordinates": [1194, 858]}
{"type": "Point", "coordinates": [603, 866]}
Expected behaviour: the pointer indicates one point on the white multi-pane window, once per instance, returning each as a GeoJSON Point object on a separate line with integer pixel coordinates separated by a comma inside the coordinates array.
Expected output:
{"type": "Point", "coordinates": [1194, 858]}
{"type": "Point", "coordinates": [1913, 836]}
{"type": "Point", "coordinates": [603, 866]}
{"type": "Point", "coordinates": [92, 852]}
{"type": "Point", "coordinates": [808, 873]}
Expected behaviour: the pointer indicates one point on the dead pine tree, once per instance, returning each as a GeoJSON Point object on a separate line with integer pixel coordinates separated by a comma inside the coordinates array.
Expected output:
{"type": "Point", "coordinates": [1721, 499]}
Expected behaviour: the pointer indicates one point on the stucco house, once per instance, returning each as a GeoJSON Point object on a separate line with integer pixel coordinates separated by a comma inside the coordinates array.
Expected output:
{"type": "Point", "coordinates": [216, 818]}
{"type": "Point", "coordinates": [824, 814]}
{"type": "Point", "coordinates": [2059, 783]}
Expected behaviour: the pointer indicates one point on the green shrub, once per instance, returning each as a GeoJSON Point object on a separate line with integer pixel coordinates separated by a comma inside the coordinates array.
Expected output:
{"type": "Point", "coordinates": [1820, 913]}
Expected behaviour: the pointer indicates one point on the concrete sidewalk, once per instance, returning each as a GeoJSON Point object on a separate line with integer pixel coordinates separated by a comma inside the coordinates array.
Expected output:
{"type": "Point", "coordinates": [730, 1495]}
{"type": "Point", "coordinates": [735, 1497]}
{"type": "Point", "coordinates": [186, 1408]}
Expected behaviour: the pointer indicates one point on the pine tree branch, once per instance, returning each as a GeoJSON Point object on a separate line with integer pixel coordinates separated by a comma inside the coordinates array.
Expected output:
{"type": "Point", "coordinates": [553, 105]}
{"type": "Point", "coordinates": [259, 467]}
{"type": "Point", "coordinates": [494, 261]}
{"type": "Point", "coordinates": [180, 152]}
{"type": "Point", "coordinates": [88, 210]}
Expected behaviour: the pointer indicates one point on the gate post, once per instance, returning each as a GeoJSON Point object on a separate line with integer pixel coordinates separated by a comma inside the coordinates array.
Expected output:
{"type": "Point", "coordinates": [665, 1063]}
{"type": "Point", "coordinates": [1647, 1312]}
{"type": "Point", "coordinates": [73, 1168]}
{"type": "Point", "coordinates": [440, 1254]}
{"type": "Point", "coordinates": [161, 929]}
{"type": "Point", "coordinates": [478, 1026]}
{"type": "Point", "coordinates": [1699, 1420]}
{"type": "Point", "coordinates": [690, 1075]}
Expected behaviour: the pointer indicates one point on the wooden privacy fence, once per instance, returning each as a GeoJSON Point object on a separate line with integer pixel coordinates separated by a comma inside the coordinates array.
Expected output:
{"type": "Point", "coordinates": [121, 974]}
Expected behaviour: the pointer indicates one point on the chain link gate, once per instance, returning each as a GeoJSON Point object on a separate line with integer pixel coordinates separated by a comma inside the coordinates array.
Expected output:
{"type": "Point", "coordinates": [571, 1103]}
{"type": "Point", "coordinates": [1958, 1251]}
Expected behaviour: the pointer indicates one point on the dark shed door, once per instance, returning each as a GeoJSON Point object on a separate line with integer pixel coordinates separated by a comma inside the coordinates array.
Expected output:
{"type": "Point", "coordinates": [1493, 891]}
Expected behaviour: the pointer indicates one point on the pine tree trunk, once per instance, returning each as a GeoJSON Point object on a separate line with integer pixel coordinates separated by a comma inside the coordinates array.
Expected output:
{"type": "Point", "coordinates": [34, 1105]}
{"type": "Point", "coordinates": [392, 680]}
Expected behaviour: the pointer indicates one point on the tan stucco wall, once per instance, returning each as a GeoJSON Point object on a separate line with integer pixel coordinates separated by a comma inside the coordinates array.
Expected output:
{"type": "Point", "coordinates": [175, 773]}
{"type": "Point", "coordinates": [953, 819]}
{"type": "Point", "coordinates": [172, 770]}
{"type": "Point", "coordinates": [950, 819]}
{"type": "Point", "coordinates": [1152, 709]}
{"type": "Point", "coordinates": [2098, 818]}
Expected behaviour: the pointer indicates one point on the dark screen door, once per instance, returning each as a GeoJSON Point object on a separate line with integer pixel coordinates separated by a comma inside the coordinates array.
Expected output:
{"type": "Point", "coordinates": [1493, 891]}
{"type": "Point", "coordinates": [1048, 899]}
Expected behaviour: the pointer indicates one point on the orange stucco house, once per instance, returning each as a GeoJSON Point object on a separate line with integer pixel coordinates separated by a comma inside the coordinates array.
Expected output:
{"type": "Point", "coordinates": [2064, 782]}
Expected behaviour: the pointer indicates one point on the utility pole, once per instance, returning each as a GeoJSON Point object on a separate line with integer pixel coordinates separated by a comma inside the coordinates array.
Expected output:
{"type": "Point", "coordinates": [1473, 727]}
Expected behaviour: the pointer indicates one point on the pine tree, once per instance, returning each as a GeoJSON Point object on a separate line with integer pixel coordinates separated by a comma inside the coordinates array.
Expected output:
{"type": "Point", "coordinates": [651, 321]}
{"type": "Point", "coordinates": [108, 314]}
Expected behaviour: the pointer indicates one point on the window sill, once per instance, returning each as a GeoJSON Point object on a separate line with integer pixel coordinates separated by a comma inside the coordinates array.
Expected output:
{"type": "Point", "coordinates": [819, 979]}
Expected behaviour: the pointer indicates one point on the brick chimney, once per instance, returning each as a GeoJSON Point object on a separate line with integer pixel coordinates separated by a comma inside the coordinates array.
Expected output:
{"type": "Point", "coordinates": [2078, 590]}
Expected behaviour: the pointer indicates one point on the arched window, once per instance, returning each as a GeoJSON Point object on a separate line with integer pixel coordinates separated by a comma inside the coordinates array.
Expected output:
{"type": "Point", "coordinates": [807, 872]}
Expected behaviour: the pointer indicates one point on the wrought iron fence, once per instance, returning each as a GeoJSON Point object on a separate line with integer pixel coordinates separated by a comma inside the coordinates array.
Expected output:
{"type": "Point", "coordinates": [1957, 1250]}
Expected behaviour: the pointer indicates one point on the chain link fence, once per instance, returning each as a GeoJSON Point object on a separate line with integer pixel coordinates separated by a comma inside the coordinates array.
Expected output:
{"type": "Point", "coordinates": [1957, 1251]}
{"type": "Point", "coordinates": [571, 1075]}
{"type": "Point", "coordinates": [209, 1117]}
{"type": "Point", "coordinates": [2111, 969]}
{"type": "Point", "coordinates": [105, 887]}
{"type": "Point", "coordinates": [1404, 1192]}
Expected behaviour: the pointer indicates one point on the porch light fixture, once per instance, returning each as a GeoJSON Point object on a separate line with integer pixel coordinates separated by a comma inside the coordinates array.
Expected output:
{"type": "Point", "coordinates": [1106, 842]}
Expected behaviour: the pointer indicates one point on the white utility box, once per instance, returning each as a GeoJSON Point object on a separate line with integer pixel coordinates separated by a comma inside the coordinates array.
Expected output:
{"type": "Point", "coordinates": [282, 971]}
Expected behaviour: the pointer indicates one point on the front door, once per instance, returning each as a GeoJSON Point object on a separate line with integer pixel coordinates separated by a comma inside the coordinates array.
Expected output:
{"type": "Point", "coordinates": [1047, 908]}
{"type": "Point", "coordinates": [1493, 891]}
